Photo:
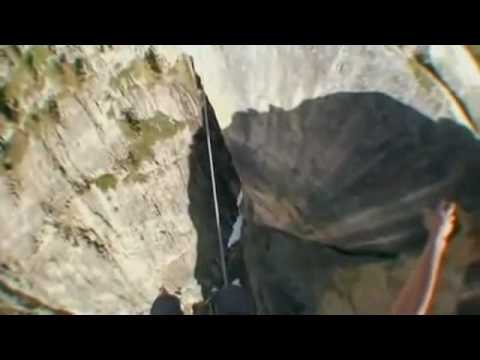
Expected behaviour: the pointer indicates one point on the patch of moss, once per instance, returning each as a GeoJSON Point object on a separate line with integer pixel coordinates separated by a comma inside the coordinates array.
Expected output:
{"type": "Point", "coordinates": [132, 122]}
{"type": "Point", "coordinates": [142, 145]}
{"type": "Point", "coordinates": [31, 71]}
{"type": "Point", "coordinates": [106, 182]}
{"type": "Point", "coordinates": [152, 61]}
{"type": "Point", "coordinates": [151, 70]}
{"type": "Point", "coordinates": [123, 77]}
{"type": "Point", "coordinates": [4, 106]}
{"type": "Point", "coordinates": [14, 152]}
{"type": "Point", "coordinates": [54, 72]}
{"type": "Point", "coordinates": [64, 75]}
{"type": "Point", "coordinates": [80, 67]}
{"type": "Point", "coordinates": [143, 135]}
{"type": "Point", "coordinates": [28, 76]}
{"type": "Point", "coordinates": [37, 56]}
{"type": "Point", "coordinates": [41, 121]}
{"type": "Point", "coordinates": [21, 83]}
{"type": "Point", "coordinates": [52, 108]}
{"type": "Point", "coordinates": [138, 69]}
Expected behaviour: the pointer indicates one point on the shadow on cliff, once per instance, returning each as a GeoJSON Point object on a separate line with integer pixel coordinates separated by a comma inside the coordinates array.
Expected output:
{"type": "Point", "coordinates": [201, 208]}
{"type": "Point", "coordinates": [330, 157]}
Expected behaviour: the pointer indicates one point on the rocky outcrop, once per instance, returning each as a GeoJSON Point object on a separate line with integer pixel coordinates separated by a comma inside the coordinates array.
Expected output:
{"type": "Point", "coordinates": [339, 149]}
{"type": "Point", "coordinates": [95, 167]}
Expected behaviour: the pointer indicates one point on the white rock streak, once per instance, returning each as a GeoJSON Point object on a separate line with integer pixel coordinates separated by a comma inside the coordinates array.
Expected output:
{"type": "Point", "coordinates": [237, 226]}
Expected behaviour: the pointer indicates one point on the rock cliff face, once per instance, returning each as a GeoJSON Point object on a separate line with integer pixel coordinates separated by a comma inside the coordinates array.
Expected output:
{"type": "Point", "coordinates": [339, 149]}
{"type": "Point", "coordinates": [105, 190]}
{"type": "Point", "coordinates": [94, 208]}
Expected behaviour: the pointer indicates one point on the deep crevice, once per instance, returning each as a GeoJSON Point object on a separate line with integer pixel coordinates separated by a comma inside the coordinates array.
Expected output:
{"type": "Point", "coordinates": [201, 208]}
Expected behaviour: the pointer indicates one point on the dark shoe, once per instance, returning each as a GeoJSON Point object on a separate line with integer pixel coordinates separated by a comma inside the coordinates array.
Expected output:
{"type": "Point", "coordinates": [166, 304]}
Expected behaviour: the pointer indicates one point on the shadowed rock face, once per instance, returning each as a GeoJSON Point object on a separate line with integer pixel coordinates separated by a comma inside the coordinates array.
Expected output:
{"type": "Point", "coordinates": [335, 192]}
{"type": "Point", "coordinates": [338, 149]}
{"type": "Point", "coordinates": [353, 170]}
{"type": "Point", "coordinates": [201, 207]}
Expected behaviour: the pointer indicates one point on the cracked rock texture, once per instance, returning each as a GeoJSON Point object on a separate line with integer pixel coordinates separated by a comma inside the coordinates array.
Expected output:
{"type": "Point", "coordinates": [94, 209]}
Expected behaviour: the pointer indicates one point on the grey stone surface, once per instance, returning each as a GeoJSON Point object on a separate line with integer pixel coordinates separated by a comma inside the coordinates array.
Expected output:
{"type": "Point", "coordinates": [339, 149]}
